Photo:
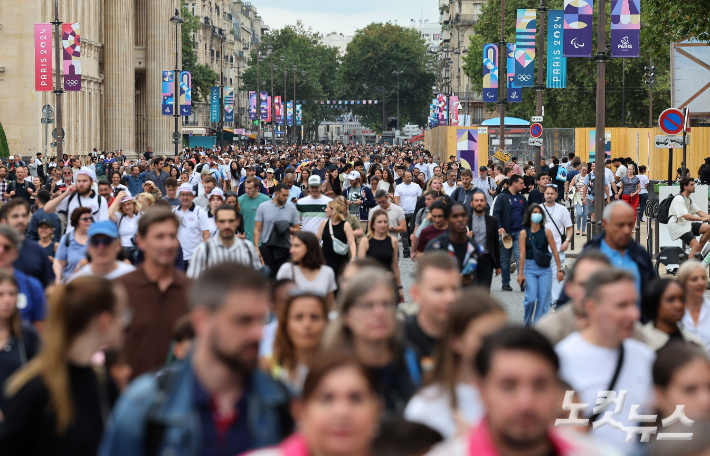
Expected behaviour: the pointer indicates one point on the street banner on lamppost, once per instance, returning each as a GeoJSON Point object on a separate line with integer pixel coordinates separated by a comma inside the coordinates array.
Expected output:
{"type": "Point", "coordinates": [268, 108]}
{"type": "Point", "coordinates": [299, 115]}
{"type": "Point", "coordinates": [263, 105]}
{"type": "Point", "coordinates": [252, 105]}
{"type": "Point", "coordinates": [289, 113]}
{"type": "Point", "coordinates": [279, 110]}
{"type": "Point", "coordinates": [214, 104]}
{"type": "Point", "coordinates": [185, 93]}
{"type": "Point", "coordinates": [525, 48]}
{"type": "Point", "coordinates": [168, 91]}
{"type": "Point", "coordinates": [43, 58]}
{"type": "Point", "coordinates": [515, 93]}
{"type": "Point", "coordinates": [71, 51]}
{"type": "Point", "coordinates": [556, 61]}
{"type": "Point", "coordinates": [454, 102]}
{"type": "Point", "coordinates": [229, 104]}
{"type": "Point", "coordinates": [625, 28]}
{"type": "Point", "coordinates": [578, 28]}
{"type": "Point", "coordinates": [490, 73]}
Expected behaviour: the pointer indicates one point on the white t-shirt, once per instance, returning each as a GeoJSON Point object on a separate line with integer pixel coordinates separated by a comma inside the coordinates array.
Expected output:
{"type": "Point", "coordinates": [643, 182]}
{"type": "Point", "coordinates": [121, 269]}
{"type": "Point", "coordinates": [192, 223]}
{"type": "Point", "coordinates": [621, 171]}
{"type": "Point", "coordinates": [432, 406]}
{"type": "Point", "coordinates": [395, 214]}
{"type": "Point", "coordinates": [94, 201]}
{"type": "Point", "coordinates": [127, 228]}
{"type": "Point", "coordinates": [702, 330]}
{"type": "Point", "coordinates": [408, 195]}
{"type": "Point", "coordinates": [323, 283]}
{"type": "Point", "coordinates": [312, 212]}
{"type": "Point", "coordinates": [561, 217]}
{"type": "Point", "coordinates": [447, 188]}
{"type": "Point", "coordinates": [678, 225]}
{"type": "Point", "coordinates": [609, 176]}
{"type": "Point", "coordinates": [589, 368]}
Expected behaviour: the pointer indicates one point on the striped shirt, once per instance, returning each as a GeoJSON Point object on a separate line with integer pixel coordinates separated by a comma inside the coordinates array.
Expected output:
{"type": "Point", "coordinates": [214, 252]}
{"type": "Point", "coordinates": [312, 212]}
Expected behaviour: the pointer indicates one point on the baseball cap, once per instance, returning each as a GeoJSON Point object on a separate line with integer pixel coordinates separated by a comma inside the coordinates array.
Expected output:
{"type": "Point", "coordinates": [314, 181]}
{"type": "Point", "coordinates": [107, 228]}
{"type": "Point", "coordinates": [218, 192]}
{"type": "Point", "coordinates": [354, 175]}
{"type": "Point", "coordinates": [45, 221]}
{"type": "Point", "coordinates": [205, 171]}
{"type": "Point", "coordinates": [186, 188]}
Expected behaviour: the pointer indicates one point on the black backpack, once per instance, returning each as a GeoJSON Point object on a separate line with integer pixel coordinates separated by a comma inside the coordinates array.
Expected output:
{"type": "Point", "coordinates": [663, 215]}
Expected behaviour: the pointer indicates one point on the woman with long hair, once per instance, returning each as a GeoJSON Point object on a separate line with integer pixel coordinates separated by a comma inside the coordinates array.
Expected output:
{"type": "Point", "coordinates": [72, 246]}
{"type": "Point", "coordinates": [125, 211]}
{"type": "Point", "coordinates": [235, 175]}
{"type": "Point", "coordinates": [174, 172]}
{"type": "Point", "coordinates": [580, 204]}
{"type": "Point", "coordinates": [145, 200]}
{"type": "Point", "coordinates": [367, 326]}
{"type": "Point", "coordinates": [301, 323]}
{"type": "Point", "coordinates": [20, 342]}
{"type": "Point", "coordinates": [379, 245]}
{"type": "Point", "coordinates": [534, 241]}
{"type": "Point", "coordinates": [303, 178]}
{"type": "Point", "coordinates": [449, 402]}
{"type": "Point", "coordinates": [339, 411]}
{"type": "Point", "coordinates": [663, 306]}
{"type": "Point", "coordinates": [387, 182]}
{"type": "Point", "coordinates": [332, 187]}
{"type": "Point", "coordinates": [693, 276]}
{"type": "Point", "coordinates": [59, 403]}
{"type": "Point", "coordinates": [307, 267]}
{"type": "Point", "coordinates": [335, 233]}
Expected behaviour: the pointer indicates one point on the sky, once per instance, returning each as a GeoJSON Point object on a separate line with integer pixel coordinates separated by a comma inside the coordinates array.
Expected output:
{"type": "Point", "coordinates": [344, 17]}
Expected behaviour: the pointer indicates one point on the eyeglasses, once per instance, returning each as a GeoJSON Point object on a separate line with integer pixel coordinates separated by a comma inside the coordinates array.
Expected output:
{"type": "Point", "coordinates": [87, 219]}
{"type": "Point", "coordinates": [97, 241]}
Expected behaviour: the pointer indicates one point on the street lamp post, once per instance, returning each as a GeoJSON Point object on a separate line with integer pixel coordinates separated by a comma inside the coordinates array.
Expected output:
{"type": "Point", "coordinates": [221, 93]}
{"type": "Point", "coordinates": [177, 20]}
{"type": "Point", "coordinates": [58, 82]}
{"type": "Point", "coordinates": [295, 69]}
{"type": "Point", "coordinates": [398, 72]}
{"type": "Point", "coordinates": [380, 90]}
{"type": "Point", "coordinates": [271, 103]}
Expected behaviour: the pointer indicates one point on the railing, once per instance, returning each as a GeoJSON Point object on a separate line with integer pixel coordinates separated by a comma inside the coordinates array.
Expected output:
{"type": "Point", "coordinates": [207, 21]}
{"type": "Point", "coordinates": [465, 19]}
{"type": "Point", "coordinates": [189, 123]}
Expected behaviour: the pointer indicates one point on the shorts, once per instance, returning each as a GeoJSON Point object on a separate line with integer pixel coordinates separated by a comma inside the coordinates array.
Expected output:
{"type": "Point", "coordinates": [693, 233]}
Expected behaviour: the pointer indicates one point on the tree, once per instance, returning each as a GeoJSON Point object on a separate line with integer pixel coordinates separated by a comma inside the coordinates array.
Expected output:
{"type": "Point", "coordinates": [203, 77]}
{"type": "Point", "coordinates": [675, 21]}
{"type": "Point", "coordinates": [575, 106]}
{"type": "Point", "coordinates": [300, 47]}
{"type": "Point", "coordinates": [374, 53]}
{"type": "Point", "coordinates": [4, 147]}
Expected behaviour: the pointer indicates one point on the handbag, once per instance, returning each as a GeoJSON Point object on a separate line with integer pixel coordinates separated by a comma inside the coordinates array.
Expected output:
{"type": "Point", "coordinates": [542, 259]}
{"type": "Point", "coordinates": [339, 247]}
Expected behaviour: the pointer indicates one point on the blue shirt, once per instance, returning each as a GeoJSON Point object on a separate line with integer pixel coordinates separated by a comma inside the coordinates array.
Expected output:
{"type": "Point", "coordinates": [30, 298]}
{"type": "Point", "coordinates": [622, 262]}
{"type": "Point", "coordinates": [36, 217]}
{"type": "Point", "coordinates": [33, 261]}
{"type": "Point", "coordinates": [135, 184]}
{"type": "Point", "coordinates": [235, 439]}
{"type": "Point", "coordinates": [516, 212]}
{"type": "Point", "coordinates": [72, 255]}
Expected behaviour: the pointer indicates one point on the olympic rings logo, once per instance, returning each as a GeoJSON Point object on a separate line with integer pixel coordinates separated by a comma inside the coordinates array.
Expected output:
{"type": "Point", "coordinates": [71, 82]}
{"type": "Point", "coordinates": [524, 77]}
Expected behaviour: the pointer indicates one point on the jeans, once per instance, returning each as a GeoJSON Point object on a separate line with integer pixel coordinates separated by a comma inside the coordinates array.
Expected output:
{"type": "Point", "coordinates": [643, 198]}
{"type": "Point", "coordinates": [505, 257]}
{"type": "Point", "coordinates": [581, 215]}
{"type": "Point", "coordinates": [556, 286]}
{"type": "Point", "coordinates": [537, 292]}
{"type": "Point", "coordinates": [405, 236]}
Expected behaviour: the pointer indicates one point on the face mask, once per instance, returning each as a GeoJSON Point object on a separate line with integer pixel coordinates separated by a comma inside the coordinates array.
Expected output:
{"type": "Point", "coordinates": [536, 218]}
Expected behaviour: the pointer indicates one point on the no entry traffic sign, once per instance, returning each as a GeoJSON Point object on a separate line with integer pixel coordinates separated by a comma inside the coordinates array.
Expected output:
{"type": "Point", "coordinates": [671, 121]}
{"type": "Point", "coordinates": [536, 130]}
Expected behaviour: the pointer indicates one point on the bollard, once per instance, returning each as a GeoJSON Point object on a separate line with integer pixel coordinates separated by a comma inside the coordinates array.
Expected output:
{"type": "Point", "coordinates": [599, 228]}
{"type": "Point", "coordinates": [656, 238]}
{"type": "Point", "coordinates": [574, 222]}
{"type": "Point", "coordinates": [649, 236]}
{"type": "Point", "coordinates": [638, 225]}
{"type": "Point", "coordinates": [589, 228]}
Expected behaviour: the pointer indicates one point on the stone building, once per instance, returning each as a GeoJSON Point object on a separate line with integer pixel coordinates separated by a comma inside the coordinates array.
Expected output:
{"type": "Point", "coordinates": [125, 45]}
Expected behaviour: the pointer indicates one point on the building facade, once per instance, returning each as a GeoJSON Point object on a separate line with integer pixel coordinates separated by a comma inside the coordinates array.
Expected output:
{"type": "Point", "coordinates": [125, 46]}
{"type": "Point", "coordinates": [337, 40]}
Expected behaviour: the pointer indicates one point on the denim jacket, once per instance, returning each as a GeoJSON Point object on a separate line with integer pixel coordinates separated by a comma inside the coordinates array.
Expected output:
{"type": "Point", "coordinates": [125, 433]}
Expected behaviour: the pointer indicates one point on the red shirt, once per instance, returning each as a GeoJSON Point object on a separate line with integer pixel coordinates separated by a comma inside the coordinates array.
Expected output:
{"type": "Point", "coordinates": [428, 233]}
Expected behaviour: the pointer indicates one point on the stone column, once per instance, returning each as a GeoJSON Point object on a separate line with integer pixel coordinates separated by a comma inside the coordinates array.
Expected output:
{"type": "Point", "coordinates": [160, 56]}
{"type": "Point", "coordinates": [119, 82]}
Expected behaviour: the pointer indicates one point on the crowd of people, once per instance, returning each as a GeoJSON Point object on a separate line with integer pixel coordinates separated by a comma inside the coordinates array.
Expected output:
{"type": "Point", "coordinates": [251, 301]}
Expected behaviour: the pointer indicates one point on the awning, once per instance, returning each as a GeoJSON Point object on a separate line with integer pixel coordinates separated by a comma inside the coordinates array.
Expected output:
{"type": "Point", "coordinates": [509, 121]}
{"type": "Point", "coordinates": [194, 131]}
{"type": "Point", "coordinates": [251, 136]}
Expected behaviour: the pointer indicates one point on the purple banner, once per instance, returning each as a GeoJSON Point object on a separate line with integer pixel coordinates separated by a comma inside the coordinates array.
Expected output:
{"type": "Point", "coordinates": [264, 105]}
{"type": "Point", "coordinates": [625, 28]}
{"type": "Point", "coordinates": [578, 28]}
{"type": "Point", "coordinates": [252, 105]}
{"type": "Point", "coordinates": [490, 73]}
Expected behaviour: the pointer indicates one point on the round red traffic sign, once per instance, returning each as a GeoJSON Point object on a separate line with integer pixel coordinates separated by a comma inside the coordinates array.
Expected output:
{"type": "Point", "coordinates": [536, 130]}
{"type": "Point", "coordinates": [671, 121]}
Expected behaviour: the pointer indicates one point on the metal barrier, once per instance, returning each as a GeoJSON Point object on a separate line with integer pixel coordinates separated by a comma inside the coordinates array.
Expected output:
{"type": "Point", "coordinates": [571, 215]}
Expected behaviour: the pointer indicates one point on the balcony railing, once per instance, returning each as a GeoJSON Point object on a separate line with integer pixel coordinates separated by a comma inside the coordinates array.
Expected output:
{"type": "Point", "coordinates": [465, 19]}
{"type": "Point", "coordinates": [190, 123]}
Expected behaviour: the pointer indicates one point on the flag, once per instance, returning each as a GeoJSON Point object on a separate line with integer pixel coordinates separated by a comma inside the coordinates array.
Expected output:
{"type": "Point", "coordinates": [525, 48]}
{"type": "Point", "coordinates": [490, 73]}
{"type": "Point", "coordinates": [515, 93]}
{"type": "Point", "coordinates": [299, 115]}
{"type": "Point", "coordinates": [556, 61]}
{"type": "Point", "coordinates": [168, 91]}
{"type": "Point", "coordinates": [625, 28]}
{"type": "Point", "coordinates": [578, 28]}
{"type": "Point", "coordinates": [185, 99]}
{"type": "Point", "coordinates": [252, 105]}
{"type": "Point", "coordinates": [43, 58]}
{"type": "Point", "coordinates": [71, 51]}
{"type": "Point", "coordinates": [214, 104]}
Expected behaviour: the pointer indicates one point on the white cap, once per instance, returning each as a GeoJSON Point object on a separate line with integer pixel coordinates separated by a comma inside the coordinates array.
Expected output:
{"type": "Point", "coordinates": [218, 192]}
{"type": "Point", "coordinates": [88, 172]}
{"type": "Point", "coordinates": [314, 181]}
{"type": "Point", "coordinates": [186, 188]}
{"type": "Point", "coordinates": [354, 175]}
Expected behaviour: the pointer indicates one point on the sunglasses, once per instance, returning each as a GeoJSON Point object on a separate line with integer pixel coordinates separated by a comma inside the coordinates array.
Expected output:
{"type": "Point", "coordinates": [105, 241]}
{"type": "Point", "coordinates": [87, 219]}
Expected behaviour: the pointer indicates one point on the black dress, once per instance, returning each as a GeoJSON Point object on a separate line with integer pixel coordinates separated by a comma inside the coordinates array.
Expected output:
{"type": "Point", "coordinates": [332, 259]}
{"type": "Point", "coordinates": [381, 251]}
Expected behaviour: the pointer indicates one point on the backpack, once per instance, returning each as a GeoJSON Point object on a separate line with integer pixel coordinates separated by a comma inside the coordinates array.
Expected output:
{"type": "Point", "coordinates": [663, 214]}
{"type": "Point", "coordinates": [455, 195]}
{"type": "Point", "coordinates": [71, 197]}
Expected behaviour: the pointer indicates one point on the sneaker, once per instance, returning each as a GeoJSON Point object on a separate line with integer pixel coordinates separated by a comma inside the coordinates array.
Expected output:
{"type": "Point", "coordinates": [512, 268]}
{"type": "Point", "coordinates": [507, 288]}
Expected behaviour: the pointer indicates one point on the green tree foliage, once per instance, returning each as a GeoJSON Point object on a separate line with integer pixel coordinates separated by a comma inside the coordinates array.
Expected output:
{"type": "Point", "coordinates": [668, 21]}
{"type": "Point", "coordinates": [374, 53]}
{"type": "Point", "coordinates": [203, 77]}
{"type": "Point", "coordinates": [4, 147]}
{"type": "Point", "coordinates": [575, 106]}
{"type": "Point", "coordinates": [300, 47]}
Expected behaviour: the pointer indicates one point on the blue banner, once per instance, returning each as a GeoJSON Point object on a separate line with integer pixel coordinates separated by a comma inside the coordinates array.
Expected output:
{"type": "Point", "coordinates": [490, 73]}
{"type": "Point", "coordinates": [525, 48]}
{"type": "Point", "coordinates": [168, 90]}
{"type": "Point", "coordinates": [185, 93]}
{"type": "Point", "coordinates": [515, 93]}
{"type": "Point", "coordinates": [229, 104]}
{"type": "Point", "coordinates": [299, 115]}
{"type": "Point", "coordinates": [214, 104]}
{"type": "Point", "coordinates": [289, 113]}
{"type": "Point", "coordinates": [556, 61]}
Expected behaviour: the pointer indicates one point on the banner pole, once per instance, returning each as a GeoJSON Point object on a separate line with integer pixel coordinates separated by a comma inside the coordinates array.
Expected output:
{"type": "Point", "coordinates": [540, 86]}
{"type": "Point", "coordinates": [58, 81]}
{"type": "Point", "coordinates": [502, 60]}
{"type": "Point", "coordinates": [600, 146]}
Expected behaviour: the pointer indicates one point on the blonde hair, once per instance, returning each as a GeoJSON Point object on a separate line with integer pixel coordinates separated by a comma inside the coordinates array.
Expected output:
{"type": "Point", "coordinates": [148, 197]}
{"type": "Point", "coordinates": [338, 208]}
{"type": "Point", "coordinates": [72, 307]}
{"type": "Point", "coordinates": [687, 268]}
{"type": "Point", "coordinates": [136, 205]}
{"type": "Point", "coordinates": [371, 223]}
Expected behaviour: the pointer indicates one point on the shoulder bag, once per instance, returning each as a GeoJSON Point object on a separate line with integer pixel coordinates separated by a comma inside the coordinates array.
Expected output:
{"type": "Point", "coordinates": [615, 377]}
{"type": "Point", "coordinates": [542, 259]}
{"type": "Point", "coordinates": [339, 247]}
{"type": "Point", "coordinates": [563, 234]}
